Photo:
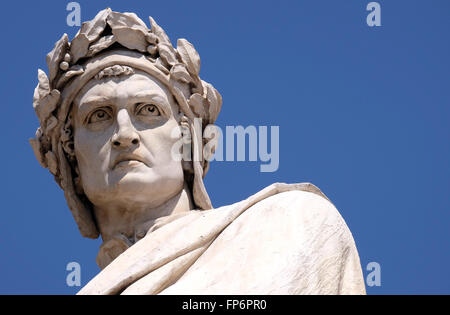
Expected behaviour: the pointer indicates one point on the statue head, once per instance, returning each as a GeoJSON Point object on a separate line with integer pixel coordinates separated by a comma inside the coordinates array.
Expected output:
{"type": "Point", "coordinates": [108, 110]}
{"type": "Point", "coordinates": [123, 138]}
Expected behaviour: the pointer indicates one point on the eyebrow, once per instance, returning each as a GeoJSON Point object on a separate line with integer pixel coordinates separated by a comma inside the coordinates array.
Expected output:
{"type": "Point", "coordinates": [143, 96]}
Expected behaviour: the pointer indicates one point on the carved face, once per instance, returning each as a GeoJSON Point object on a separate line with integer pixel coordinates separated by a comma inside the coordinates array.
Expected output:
{"type": "Point", "coordinates": [123, 139]}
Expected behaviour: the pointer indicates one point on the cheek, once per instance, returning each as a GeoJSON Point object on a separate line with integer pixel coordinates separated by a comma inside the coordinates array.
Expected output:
{"type": "Point", "coordinates": [91, 150]}
{"type": "Point", "coordinates": [160, 141]}
{"type": "Point", "coordinates": [166, 172]}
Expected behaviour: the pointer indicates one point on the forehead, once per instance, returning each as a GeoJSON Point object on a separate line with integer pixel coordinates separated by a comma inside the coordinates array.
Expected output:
{"type": "Point", "coordinates": [124, 86]}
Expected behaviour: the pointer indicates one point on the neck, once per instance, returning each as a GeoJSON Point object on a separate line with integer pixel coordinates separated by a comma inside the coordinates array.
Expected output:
{"type": "Point", "coordinates": [133, 221]}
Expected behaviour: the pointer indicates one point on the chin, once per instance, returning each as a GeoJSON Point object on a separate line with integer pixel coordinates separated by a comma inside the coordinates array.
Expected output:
{"type": "Point", "coordinates": [145, 187]}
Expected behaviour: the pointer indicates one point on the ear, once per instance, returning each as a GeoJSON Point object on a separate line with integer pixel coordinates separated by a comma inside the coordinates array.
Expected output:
{"type": "Point", "coordinates": [67, 138]}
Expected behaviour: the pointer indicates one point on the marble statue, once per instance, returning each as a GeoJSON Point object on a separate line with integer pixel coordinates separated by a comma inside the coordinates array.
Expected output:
{"type": "Point", "coordinates": [107, 110]}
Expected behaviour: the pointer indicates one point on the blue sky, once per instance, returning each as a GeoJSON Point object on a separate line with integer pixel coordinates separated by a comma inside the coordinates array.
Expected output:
{"type": "Point", "coordinates": [364, 114]}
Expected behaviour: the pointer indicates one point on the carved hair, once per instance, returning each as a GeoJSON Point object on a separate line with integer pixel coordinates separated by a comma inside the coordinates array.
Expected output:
{"type": "Point", "coordinates": [114, 71]}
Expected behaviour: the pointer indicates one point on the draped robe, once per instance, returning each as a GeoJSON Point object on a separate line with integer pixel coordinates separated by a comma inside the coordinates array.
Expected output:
{"type": "Point", "coordinates": [285, 239]}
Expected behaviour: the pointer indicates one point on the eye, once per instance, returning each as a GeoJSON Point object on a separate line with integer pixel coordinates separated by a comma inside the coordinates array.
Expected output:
{"type": "Point", "coordinates": [148, 110]}
{"type": "Point", "coordinates": [98, 116]}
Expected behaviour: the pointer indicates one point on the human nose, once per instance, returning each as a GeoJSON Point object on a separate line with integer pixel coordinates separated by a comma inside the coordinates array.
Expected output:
{"type": "Point", "coordinates": [126, 135]}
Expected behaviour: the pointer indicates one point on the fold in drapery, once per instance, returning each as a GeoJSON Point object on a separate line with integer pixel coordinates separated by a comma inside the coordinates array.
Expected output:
{"type": "Point", "coordinates": [173, 259]}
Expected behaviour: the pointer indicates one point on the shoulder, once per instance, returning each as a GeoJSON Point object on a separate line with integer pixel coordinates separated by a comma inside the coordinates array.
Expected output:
{"type": "Point", "coordinates": [304, 199]}
{"type": "Point", "coordinates": [298, 209]}
{"type": "Point", "coordinates": [296, 226]}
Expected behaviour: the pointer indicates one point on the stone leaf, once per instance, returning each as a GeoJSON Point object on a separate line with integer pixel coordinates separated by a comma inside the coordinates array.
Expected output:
{"type": "Point", "coordinates": [189, 56]}
{"type": "Point", "coordinates": [214, 100]}
{"type": "Point", "coordinates": [197, 105]}
{"type": "Point", "coordinates": [99, 45]}
{"type": "Point", "coordinates": [79, 47]}
{"type": "Point", "coordinates": [36, 145]}
{"type": "Point", "coordinates": [197, 86]}
{"type": "Point", "coordinates": [159, 64]}
{"type": "Point", "coordinates": [47, 105]}
{"type": "Point", "coordinates": [118, 19]}
{"type": "Point", "coordinates": [51, 124]}
{"type": "Point", "coordinates": [55, 57]}
{"type": "Point", "coordinates": [42, 89]}
{"type": "Point", "coordinates": [158, 31]}
{"type": "Point", "coordinates": [179, 73]}
{"type": "Point", "coordinates": [181, 88]}
{"type": "Point", "coordinates": [73, 71]}
{"type": "Point", "coordinates": [167, 54]}
{"type": "Point", "coordinates": [129, 30]}
{"type": "Point", "coordinates": [131, 38]}
{"type": "Point", "coordinates": [90, 31]}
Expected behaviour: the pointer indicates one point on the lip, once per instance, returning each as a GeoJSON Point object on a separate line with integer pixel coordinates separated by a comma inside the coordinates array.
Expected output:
{"type": "Point", "coordinates": [128, 160]}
